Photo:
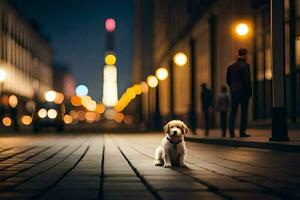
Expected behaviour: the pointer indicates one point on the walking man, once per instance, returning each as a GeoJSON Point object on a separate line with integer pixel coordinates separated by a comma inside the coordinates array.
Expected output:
{"type": "Point", "coordinates": [206, 98]}
{"type": "Point", "coordinates": [239, 81]}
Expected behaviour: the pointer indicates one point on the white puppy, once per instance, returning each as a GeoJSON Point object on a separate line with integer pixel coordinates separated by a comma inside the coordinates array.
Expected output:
{"type": "Point", "coordinates": [172, 149]}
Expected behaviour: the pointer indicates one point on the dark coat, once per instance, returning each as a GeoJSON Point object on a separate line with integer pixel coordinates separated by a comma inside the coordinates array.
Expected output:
{"type": "Point", "coordinates": [206, 98]}
{"type": "Point", "coordinates": [239, 78]}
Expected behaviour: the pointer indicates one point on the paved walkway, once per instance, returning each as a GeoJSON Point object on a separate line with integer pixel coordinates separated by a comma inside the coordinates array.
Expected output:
{"type": "Point", "coordinates": [91, 166]}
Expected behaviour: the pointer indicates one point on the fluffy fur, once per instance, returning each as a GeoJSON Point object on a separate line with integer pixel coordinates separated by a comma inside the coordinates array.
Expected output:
{"type": "Point", "coordinates": [172, 149]}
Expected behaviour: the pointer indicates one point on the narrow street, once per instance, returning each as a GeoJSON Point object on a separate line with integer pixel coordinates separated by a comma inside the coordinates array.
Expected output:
{"type": "Point", "coordinates": [90, 166]}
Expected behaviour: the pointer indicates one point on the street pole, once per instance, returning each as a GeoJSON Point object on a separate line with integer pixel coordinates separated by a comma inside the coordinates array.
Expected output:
{"type": "Point", "coordinates": [157, 110]}
{"type": "Point", "coordinates": [172, 112]}
{"type": "Point", "coordinates": [192, 114]}
{"type": "Point", "coordinates": [279, 116]}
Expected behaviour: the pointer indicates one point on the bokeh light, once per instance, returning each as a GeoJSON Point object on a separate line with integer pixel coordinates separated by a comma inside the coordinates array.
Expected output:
{"type": "Point", "coordinates": [242, 29]}
{"type": "Point", "coordinates": [13, 101]}
{"type": "Point", "coordinates": [152, 81]}
{"type": "Point", "coordinates": [144, 87]}
{"type": "Point", "coordinates": [59, 99]}
{"type": "Point", "coordinates": [110, 59]}
{"type": "Point", "coordinates": [6, 121]}
{"type": "Point", "coordinates": [42, 113]}
{"type": "Point", "coordinates": [52, 113]}
{"type": "Point", "coordinates": [119, 117]}
{"type": "Point", "coordinates": [26, 120]}
{"type": "Point", "coordinates": [137, 89]}
{"type": "Point", "coordinates": [68, 119]}
{"type": "Point", "coordinates": [100, 108]}
{"type": "Point", "coordinates": [76, 101]}
{"type": "Point", "coordinates": [50, 96]}
{"type": "Point", "coordinates": [2, 75]}
{"type": "Point", "coordinates": [82, 90]}
{"type": "Point", "coordinates": [110, 24]}
{"type": "Point", "coordinates": [110, 114]}
{"type": "Point", "coordinates": [162, 73]}
{"type": "Point", "coordinates": [180, 59]}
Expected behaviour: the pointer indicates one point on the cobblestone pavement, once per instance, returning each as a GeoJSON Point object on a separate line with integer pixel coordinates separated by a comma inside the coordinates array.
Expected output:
{"type": "Point", "coordinates": [121, 167]}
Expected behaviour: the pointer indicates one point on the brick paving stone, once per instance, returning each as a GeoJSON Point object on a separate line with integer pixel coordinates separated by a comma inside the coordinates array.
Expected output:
{"type": "Point", "coordinates": [75, 172]}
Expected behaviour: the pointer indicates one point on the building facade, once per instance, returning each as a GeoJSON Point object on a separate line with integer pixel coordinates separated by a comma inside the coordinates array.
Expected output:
{"type": "Point", "coordinates": [25, 55]}
{"type": "Point", "coordinates": [204, 31]}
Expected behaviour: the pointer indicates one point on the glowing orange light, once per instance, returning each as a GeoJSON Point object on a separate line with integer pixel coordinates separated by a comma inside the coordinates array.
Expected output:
{"type": "Point", "coordinates": [152, 81]}
{"type": "Point", "coordinates": [137, 89]}
{"type": "Point", "coordinates": [119, 117]}
{"type": "Point", "coordinates": [242, 29]}
{"type": "Point", "coordinates": [59, 99]}
{"type": "Point", "coordinates": [13, 101]}
{"type": "Point", "coordinates": [26, 120]}
{"type": "Point", "coordinates": [68, 119]}
{"type": "Point", "coordinates": [6, 121]}
{"type": "Point", "coordinates": [144, 87]}
{"type": "Point", "coordinates": [180, 59]}
{"type": "Point", "coordinates": [100, 108]}
{"type": "Point", "coordinates": [76, 101]}
{"type": "Point", "coordinates": [162, 73]}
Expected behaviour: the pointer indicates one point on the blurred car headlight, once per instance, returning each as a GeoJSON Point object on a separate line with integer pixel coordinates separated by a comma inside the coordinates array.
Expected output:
{"type": "Point", "coordinates": [42, 113]}
{"type": "Point", "coordinates": [52, 113]}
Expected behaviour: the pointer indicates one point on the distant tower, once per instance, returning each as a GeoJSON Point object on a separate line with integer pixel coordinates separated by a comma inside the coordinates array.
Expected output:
{"type": "Point", "coordinates": [110, 86]}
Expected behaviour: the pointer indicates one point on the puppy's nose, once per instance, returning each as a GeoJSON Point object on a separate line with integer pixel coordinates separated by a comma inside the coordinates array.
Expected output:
{"type": "Point", "coordinates": [175, 132]}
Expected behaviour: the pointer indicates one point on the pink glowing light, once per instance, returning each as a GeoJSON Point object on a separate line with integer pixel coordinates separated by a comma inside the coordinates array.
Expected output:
{"type": "Point", "coordinates": [110, 24]}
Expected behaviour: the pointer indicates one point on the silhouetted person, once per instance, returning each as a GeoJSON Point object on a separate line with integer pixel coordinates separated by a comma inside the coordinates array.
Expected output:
{"type": "Point", "coordinates": [206, 98]}
{"type": "Point", "coordinates": [222, 107]}
{"type": "Point", "coordinates": [239, 81]}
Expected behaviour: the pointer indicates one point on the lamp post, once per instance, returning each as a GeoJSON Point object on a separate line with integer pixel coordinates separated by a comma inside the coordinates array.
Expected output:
{"type": "Point", "coordinates": [179, 59]}
{"type": "Point", "coordinates": [161, 74]}
{"type": "Point", "coordinates": [192, 110]}
{"type": "Point", "coordinates": [152, 82]}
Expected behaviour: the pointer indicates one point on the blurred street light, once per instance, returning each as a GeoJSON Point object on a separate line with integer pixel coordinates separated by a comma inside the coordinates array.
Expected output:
{"type": "Point", "coordinates": [152, 81]}
{"type": "Point", "coordinates": [52, 113]}
{"type": "Point", "coordinates": [59, 98]}
{"type": "Point", "coordinates": [26, 120]}
{"type": "Point", "coordinates": [242, 29]}
{"type": "Point", "coordinates": [144, 87]}
{"type": "Point", "coordinates": [3, 75]}
{"type": "Point", "coordinates": [162, 73]}
{"type": "Point", "coordinates": [82, 90]}
{"type": "Point", "coordinates": [42, 113]}
{"type": "Point", "coordinates": [13, 101]}
{"type": "Point", "coordinates": [50, 96]}
{"type": "Point", "coordinates": [6, 121]}
{"type": "Point", "coordinates": [110, 59]}
{"type": "Point", "coordinates": [110, 24]}
{"type": "Point", "coordinates": [180, 59]}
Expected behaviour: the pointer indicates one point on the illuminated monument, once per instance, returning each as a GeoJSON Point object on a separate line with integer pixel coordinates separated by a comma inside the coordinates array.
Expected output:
{"type": "Point", "coordinates": [110, 86]}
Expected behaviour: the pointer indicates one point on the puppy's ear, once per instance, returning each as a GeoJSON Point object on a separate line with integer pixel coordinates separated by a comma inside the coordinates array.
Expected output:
{"type": "Point", "coordinates": [185, 129]}
{"type": "Point", "coordinates": [167, 128]}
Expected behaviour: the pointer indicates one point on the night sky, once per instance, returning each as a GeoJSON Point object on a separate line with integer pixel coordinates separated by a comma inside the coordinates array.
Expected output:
{"type": "Point", "coordinates": [77, 36]}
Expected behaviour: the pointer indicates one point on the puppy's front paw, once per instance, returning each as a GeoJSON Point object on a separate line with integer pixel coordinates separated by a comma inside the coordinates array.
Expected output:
{"type": "Point", "coordinates": [167, 166]}
{"type": "Point", "coordinates": [158, 163]}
